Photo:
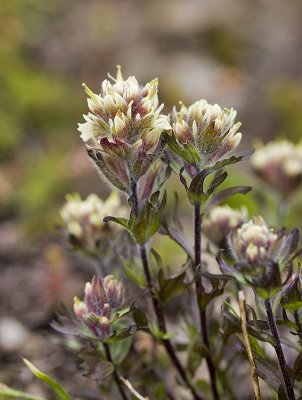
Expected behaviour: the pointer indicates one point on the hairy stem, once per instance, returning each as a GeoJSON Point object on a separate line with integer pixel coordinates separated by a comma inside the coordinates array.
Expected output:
{"type": "Point", "coordinates": [279, 351]}
{"type": "Point", "coordinates": [162, 324]}
{"type": "Point", "coordinates": [115, 374]}
{"type": "Point", "coordinates": [133, 197]}
{"type": "Point", "coordinates": [156, 304]}
{"type": "Point", "coordinates": [247, 345]}
{"type": "Point", "coordinates": [199, 294]}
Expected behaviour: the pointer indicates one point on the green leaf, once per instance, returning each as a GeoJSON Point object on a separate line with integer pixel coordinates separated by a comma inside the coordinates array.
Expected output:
{"type": "Point", "coordinates": [196, 188]}
{"type": "Point", "coordinates": [140, 318]}
{"type": "Point", "coordinates": [94, 364]}
{"type": "Point", "coordinates": [7, 393]}
{"type": "Point", "coordinates": [120, 314]}
{"type": "Point", "coordinates": [171, 287]}
{"type": "Point", "coordinates": [231, 324]}
{"type": "Point", "coordinates": [148, 221]}
{"type": "Point", "coordinates": [298, 366]}
{"type": "Point", "coordinates": [187, 152]}
{"type": "Point", "coordinates": [269, 372]}
{"type": "Point", "coordinates": [120, 221]}
{"type": "Point", "coordinates": [196, 350]}
{"type": "Point", "coordinates": [120, 350]}
{"type": "Point", "coordinates": [219, 178]}
{"type": "Point", "coordinates": [54, 385]}
{"type": "Point", "coordinates": [225, 194]}
{"type": "Point", "coordinates": [232, 160]}
{"type": "Point", "coordinates": [159, 335]}
{"type": "Point", "coordinates": [121, 334]}
{"type": "Point", "coordinates": [134, 272]}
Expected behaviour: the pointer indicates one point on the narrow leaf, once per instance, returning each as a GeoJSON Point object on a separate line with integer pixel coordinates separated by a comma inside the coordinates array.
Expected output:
{"type": "Point", "coordinates": [7, 393]}
{"type": "Point", "coordinates": [54, 385]}
{"type": "Point", "coordinates": [225, 194]}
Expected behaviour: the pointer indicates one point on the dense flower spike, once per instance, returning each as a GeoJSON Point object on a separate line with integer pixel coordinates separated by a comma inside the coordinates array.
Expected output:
{"type": "Point", "coordinates": [101, 297]}
{"type": "Point", "coordinates": [206, 132]}
{"type": "Point", "coordinates": [260, 253]}
{"type": "Point", "coordinates": [83, 219]}
{"type": "Point", "coordinates": [124, 129]}
{"type": "Point", "coordinates": [279, 163]}
{"type": "Point", "coordinates": [221, 220]}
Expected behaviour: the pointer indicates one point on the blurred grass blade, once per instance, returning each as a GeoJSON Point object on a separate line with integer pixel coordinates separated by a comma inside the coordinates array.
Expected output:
{"type": "Point", "coordinates": [8, 393]}
{"type": "Point", "coordinates": [55, 386]}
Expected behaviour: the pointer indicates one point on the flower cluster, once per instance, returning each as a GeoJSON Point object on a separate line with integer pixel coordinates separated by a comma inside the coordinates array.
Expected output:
{"type": "Point", "coordinates": [83, 219]}
{"type": "Point", "coordinates": [124, 129]}
{"type": "Point", "coordinates": [220, 221]}
{"type": "Point", "coordinates": [253, 242]}
{"type": "Point", "coordinates": [207, 132]}
{"type": "Point", "coordinates": [260, 253]}
{"type": "Point", "coordinates": [280, 165]}
{"type": "Point", "coordinates": [102, 296]}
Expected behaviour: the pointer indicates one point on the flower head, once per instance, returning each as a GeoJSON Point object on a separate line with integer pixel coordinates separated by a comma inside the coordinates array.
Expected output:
{"type": "Point", "coordinates": [260, 253]}
{"type": "Point", "coordinates": [207, 132]}
{"type": "Point", "coordinates": [253, 242]}
{"type": "Point", "coordinates": [83, 219]}
{"type": "Point", "coordinates": [124, 128]}
{"type": "Point", "coordinates": [100, 299]}
{"type": "Point", "coordinates": [279, 164]}
{"type": "Point", "coordinates": [220, 221]}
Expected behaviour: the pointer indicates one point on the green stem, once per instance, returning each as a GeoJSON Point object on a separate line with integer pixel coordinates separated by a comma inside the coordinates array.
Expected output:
{"type": "Point", "coordinates": [199, 294]}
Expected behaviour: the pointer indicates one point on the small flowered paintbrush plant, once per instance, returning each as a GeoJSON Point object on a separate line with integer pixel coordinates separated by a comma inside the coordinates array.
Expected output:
{"type": "Point", "coordinates": [149, 331]}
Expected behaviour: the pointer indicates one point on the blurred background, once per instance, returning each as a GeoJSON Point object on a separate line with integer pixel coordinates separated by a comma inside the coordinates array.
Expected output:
{"type": "Point", "coordinates": [238, 53]}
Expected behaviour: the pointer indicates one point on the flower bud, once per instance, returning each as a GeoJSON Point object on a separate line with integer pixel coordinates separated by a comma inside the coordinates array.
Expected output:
{"type": "Point", "coordinates": [220, 221]}
{"type": "Point", "coordinates": [101, 297]}
{"type": "Point", "coordinates": [279, 164]}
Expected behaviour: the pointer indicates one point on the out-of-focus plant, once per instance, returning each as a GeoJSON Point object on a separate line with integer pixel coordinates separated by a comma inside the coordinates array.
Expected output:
{"type": "Point", "coordinates": [125, 327]}
{"type": "Point", "coordinates": [84, 222]}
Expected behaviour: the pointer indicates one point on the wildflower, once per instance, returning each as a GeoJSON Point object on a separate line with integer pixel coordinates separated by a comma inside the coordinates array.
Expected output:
{"type": "Point", "coordinates": [279, 164]}
{"type": "Point", "coordinates": [205, 133]}
{"type": "Point", "coordinates": [123, 129]}
{"type": "Point", "coordinates": [100, 299]}
{"type": "Point", "coordinates": [220, 221]}
{"type": "Point", "coordinates": [83, 219]}
{"type": "Point", "coordinates": [253, 242]}
{"type": "Point", "coordinates": [260, 253]}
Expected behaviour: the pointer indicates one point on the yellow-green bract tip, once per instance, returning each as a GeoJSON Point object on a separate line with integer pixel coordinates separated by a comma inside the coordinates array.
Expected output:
{"type": "Point", "coordinates": [119, 75]}
{"type": "Point", "coordinates": [90, 93]}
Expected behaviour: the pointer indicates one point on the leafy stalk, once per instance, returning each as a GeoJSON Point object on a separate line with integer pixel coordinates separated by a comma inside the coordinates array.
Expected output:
{"type": "Point", "coordinates": [156, 303]}
{"type": "Point", "coordinates": [279, 351]}
{"type": "Point", "coordinates": [115, 374]}
{"type": "Point", "coordinates": [199, 294]}
{"type": "Point", "coordinates": [162, 325]}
